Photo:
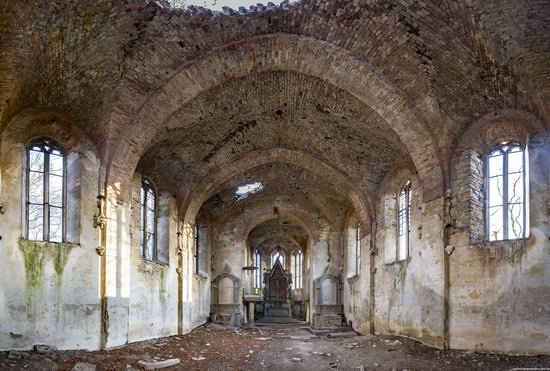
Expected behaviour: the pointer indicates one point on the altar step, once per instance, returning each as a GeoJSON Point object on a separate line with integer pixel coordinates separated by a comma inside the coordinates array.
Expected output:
{"type": "Point", "coordinates": [278, 312]}
{"type": "Point", "coordinates": [276, 320]}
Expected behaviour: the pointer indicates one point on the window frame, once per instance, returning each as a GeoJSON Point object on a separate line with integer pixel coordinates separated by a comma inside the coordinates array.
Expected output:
{"type": "Point", "coordinates": [407, 189]}
{"type": "Point", "coordinates": [258, 270]}
{"type": "Point", "coordinates": [54, 145]}
{"type": "Point", "coordinates": [282, 259]}
{"type": "Point", "coordinates": [505, 201]}
{"type": "Point", "coordinates": [358, 249]}
{"type": "Point", "coordinates": [146, 185]}
{"type": "Point", "coordinates": [298, 270]}
{"type": "Point", "coordinates": [196, 248]}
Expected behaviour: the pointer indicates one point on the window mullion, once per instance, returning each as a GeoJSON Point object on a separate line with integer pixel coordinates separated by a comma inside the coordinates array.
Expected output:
{"type": "Point", "coordinates": [525, 190]}
{"type": "Point", "coordinates": [505, 200]}
{"type": "Point", "coordinates": [46, 197]}
{"type": "Point", "coordinates": [144, 216]}
{"type": "Point", "coordinates": [487, 199]}
{"type": "Point", "coordinates": [155, 249]}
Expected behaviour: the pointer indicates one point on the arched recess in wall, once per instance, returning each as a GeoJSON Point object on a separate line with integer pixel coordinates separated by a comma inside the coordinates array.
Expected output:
{"type": "Point", "coordinates": [467, 163]}
{"type": "Point", "coordinates": [82, 161]}
{"type": "Point", "coordinates": [278, 52]}
{"type": "Point", "coordinates": [194, 201]}
{"type": "Point", "coordinates": [289, 213]}
{"type": "Point", "coordinates": [387, 209]}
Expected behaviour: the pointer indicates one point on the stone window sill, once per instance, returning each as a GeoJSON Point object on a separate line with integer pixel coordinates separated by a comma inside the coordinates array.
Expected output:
{"type": "Point", "coordinates": [152, 265]}
{"type": "Point", "coordinates": [200, 276]}
{"type": "Point", "coordinates": [47, 244]}
{"type": "Point", "coordinates": [398, 262]}
{"type": "Point", "coordinates": [503, 247]}
{"type": "Point", "coordinates": [353, 277]}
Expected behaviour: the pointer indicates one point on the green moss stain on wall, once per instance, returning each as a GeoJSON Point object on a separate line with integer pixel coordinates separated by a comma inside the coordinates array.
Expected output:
{"type": "Point", "coordinates": [60, 260]}
{"type": "Point", "coordinates": [34, 254]}
{"type": "Point", "coordinates": [61, 253]}
{"type": "Point", "coordinates": [162, 286]}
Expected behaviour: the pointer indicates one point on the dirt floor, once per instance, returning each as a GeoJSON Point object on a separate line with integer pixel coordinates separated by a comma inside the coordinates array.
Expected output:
{"type": "Point", "coordinates": [276, 347]}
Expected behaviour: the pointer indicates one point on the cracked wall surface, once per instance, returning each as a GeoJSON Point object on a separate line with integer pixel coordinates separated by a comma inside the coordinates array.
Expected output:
{"type": "Point", "coordinates": [330, 106]}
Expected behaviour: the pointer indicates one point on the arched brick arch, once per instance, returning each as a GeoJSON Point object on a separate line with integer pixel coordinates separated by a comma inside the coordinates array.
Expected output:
{"type": "Point", "coordinates": [47, 122]}
{"type": "Point", "coordinates": [265, 214]}
{"type": "Point", "coordinates": [467, 170]}
{"type": "Point", "coordinates": [253, 159]}
{"type": "Point", "coordinates": [278, 52]}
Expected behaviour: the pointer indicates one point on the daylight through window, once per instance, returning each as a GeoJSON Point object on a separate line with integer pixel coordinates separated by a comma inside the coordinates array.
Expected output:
{"type": "Point", "coordinates": [506, 192]}
{"type": "Point", "coordinates": [45, 212]}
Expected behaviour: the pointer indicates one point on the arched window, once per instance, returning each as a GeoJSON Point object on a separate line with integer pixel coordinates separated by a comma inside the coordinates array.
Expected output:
{"type": "Point", "coordinates": [258, 271]}
{"type": "Point", "coordinates": [358, 248]}
{"type": "Point", "coordinates": [298, 269]}
{"type": "Point", "coordinates": [277, 255]}
{"type": "Point", "coordinates": [148, 220]}
{"type": "Point", "coordinates": [404, 221]}
{"type": "Point", "coordinates": [196, 249]}
{"type": "Point", "coordinates": [46, 200]}
{"type": "Point", "coordinates": [506, 192]}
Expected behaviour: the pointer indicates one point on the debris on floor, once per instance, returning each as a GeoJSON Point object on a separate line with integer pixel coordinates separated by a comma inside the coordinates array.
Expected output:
{"type": "Point", "coordinates": [290, 347]}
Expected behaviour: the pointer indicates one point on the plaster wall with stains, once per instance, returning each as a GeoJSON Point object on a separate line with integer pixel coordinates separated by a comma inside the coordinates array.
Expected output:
{"type": "Point", "coordinates": [50, 291]}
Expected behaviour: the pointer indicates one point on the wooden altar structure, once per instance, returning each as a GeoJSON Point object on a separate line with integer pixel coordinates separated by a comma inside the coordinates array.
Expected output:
{"type": "Point", "coordinates": [277, 286]}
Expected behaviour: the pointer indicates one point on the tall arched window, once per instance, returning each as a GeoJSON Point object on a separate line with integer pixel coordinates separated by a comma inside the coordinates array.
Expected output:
{"type": "Point", "coordinates": [358, 248]}
{"type": "Point", "coordinates": [506, 192]}
{"type": "Point", "coordinates": [46, 201]}
{"type": "Point", "coordinates": [148, 220]}
{"type": "Point", "coordinates": [278, 255]}
{"type": "Point", "coordinates": [404, 221]}
{"type": "Point", "coordinates": [298, 269]}
{"type": "Point", "coordinates": [258, 271]}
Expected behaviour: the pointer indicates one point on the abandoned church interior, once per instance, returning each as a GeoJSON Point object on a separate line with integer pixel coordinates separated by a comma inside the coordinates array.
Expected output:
{"type": "Point", "coordinates": [375, 166]}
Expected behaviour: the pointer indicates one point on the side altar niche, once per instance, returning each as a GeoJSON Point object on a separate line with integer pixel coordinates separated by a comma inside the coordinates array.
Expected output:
{"type": "Point", "coordinates": [277, 291]}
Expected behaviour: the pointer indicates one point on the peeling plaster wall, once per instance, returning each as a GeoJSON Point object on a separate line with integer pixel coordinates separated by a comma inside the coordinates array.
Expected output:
{"type": "Point", "coordinates": [50, 291]}
{"type": "Point", "coordinates": [409, 294]}
{"type": "Point", "coordinates": [228, 250]}
{"type": "Point", "coordinates": [357, 289]}
{"type": "Point", "coordinates": [153, 310]}
{"type": "Point", "coordinates": [200, 283]}
{"type": "Point", "coordinates": [500, 292]}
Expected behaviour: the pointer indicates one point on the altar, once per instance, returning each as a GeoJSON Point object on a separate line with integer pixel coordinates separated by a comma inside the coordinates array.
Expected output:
{"type": "Point", "coordinates": [277, 291]}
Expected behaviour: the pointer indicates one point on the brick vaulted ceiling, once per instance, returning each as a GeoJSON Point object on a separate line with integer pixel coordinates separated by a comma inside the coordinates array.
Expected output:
{"type": "Point", "coordinates": [360, 85]}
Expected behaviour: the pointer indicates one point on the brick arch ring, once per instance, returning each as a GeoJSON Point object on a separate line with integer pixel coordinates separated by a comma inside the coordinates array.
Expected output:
{"type": "Point", "coordinates": [283, 52]}
{"type": "Point", "coordinates": [210, 185]}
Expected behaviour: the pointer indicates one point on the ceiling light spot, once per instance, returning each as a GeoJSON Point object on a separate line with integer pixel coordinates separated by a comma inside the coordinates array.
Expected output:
{"type": "Point", "coordinates": [246, 190]}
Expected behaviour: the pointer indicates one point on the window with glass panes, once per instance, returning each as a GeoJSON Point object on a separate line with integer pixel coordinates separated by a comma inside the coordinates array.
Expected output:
{"type": "Point", "coordinates": [358, 248]}
{"type": "Point", "coordinates": [298, 270]}
{"type": "Point", "coordinates": [506, 192]}
{"type": "Point", "coordinates": [148, 220]}
{"type": "Point", "coordinates": [278, 255]}
{"type": "Point", "coordinates": [404, 221]}
{"type": "Point", "coordinates": [46, 200]}
{"type": "Point", "coordinates": [196, 248]}
{"type": "Point", "coordinates": [258, 271]}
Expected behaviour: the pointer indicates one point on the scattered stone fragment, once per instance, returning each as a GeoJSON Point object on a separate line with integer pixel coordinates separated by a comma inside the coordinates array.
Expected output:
{"type": "Point", "coordinates": [158, 365]}
{"type": "Point", "coordinates": [199, 358]}
{"type": "Point", "coordinates": [83, 366]}
{"type": "Point", "coordinates": [264, 339]}
{"type": "Point", "coordinates": [296, 359]}
{"type": "Point", "coordinates": [44, 349]}
{"type": "Point", "coordinates": [14, 354]}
